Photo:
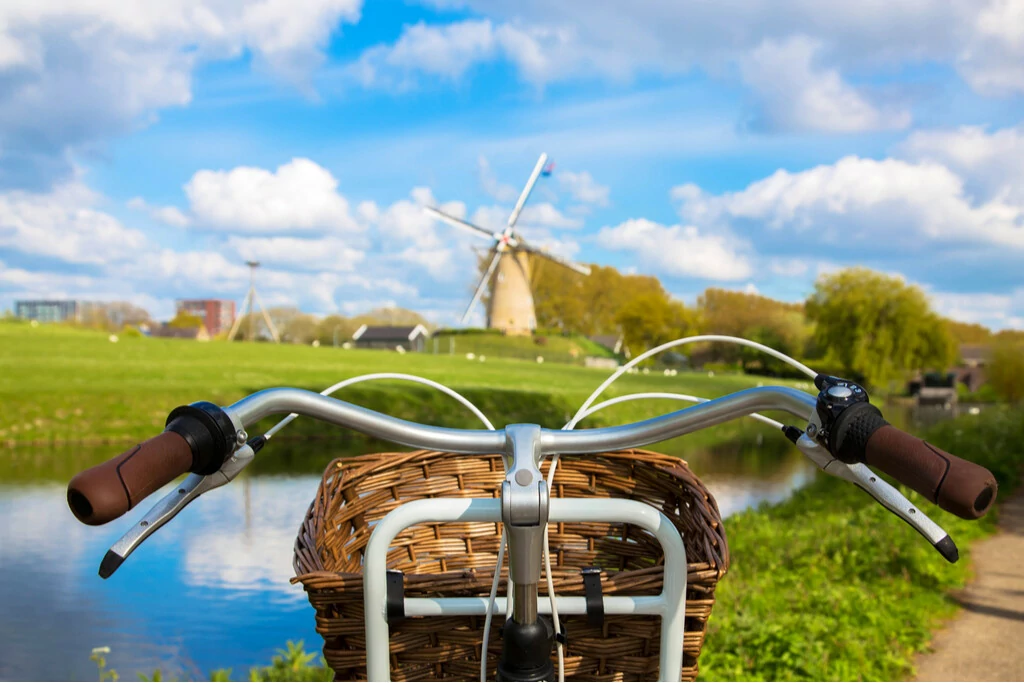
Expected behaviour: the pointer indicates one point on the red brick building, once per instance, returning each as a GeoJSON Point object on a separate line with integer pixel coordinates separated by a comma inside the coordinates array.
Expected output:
{"type": "Point", "coordinates": [217, 314]}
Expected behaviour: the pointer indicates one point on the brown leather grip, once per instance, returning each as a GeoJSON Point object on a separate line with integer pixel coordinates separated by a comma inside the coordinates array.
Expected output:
{"type": "Point", "coordinates": [107, 491]}
{"type": "Point", "coordinates": [954, 484]}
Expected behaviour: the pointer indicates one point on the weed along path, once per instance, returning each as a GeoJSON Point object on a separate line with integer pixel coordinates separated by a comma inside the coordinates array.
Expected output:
{"type": "Point", "coordinates": [984, 642]}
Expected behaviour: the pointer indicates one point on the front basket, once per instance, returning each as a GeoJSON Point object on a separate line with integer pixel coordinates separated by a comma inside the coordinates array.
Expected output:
{"type": "Point", "coordinates": [458, 559]}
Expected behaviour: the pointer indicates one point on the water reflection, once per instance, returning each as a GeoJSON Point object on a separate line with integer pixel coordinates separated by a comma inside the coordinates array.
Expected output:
{"type": "Point", "coordinates": [211, 589]}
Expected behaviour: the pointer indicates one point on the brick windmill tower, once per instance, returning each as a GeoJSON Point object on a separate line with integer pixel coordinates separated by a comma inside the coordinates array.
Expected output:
{"type": "Point", "coordinates": [510, 308]}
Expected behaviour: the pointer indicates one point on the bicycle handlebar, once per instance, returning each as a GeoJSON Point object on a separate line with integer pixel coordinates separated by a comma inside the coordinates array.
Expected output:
{"type": "Point", "coordinates": [105, 492]}
{"type": "Point", "coordinates": [956, 485]}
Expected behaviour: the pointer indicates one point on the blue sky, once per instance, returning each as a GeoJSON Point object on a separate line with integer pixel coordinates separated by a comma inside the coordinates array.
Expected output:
{"type": "Point", "coordinates": [148, 149]}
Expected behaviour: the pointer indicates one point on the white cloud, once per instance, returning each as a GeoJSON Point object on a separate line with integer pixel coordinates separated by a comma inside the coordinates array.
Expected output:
{"type": "Point", "coordinates": [995, 310]}
{"type": "Point", "coordinates": [890, 202]}
{"type": "Point", "coordinates": [795, 93]}
{"type": "Point", "coordinates": [443, 51]}
{"type": "Point", "coordinates": [584, 188]}
{"type": "Point", "coordinates": [73, 72]}
{"type": "Point", "coordinates": [330, 253]}
{"type": "Point", "coordinates": [300, 195]}
{"type": "Point", "coordinates": [992, 164]}
{"type": "Point", "coordinates": [64, 224]}
{"type": "Point", "coordinates": [679, 251]}
{"type": "Point", "coordinates": [993, 60]}
{"type": "Point", "coordinates": [171, 215]}
{"type": "Point", "coordinates": [502, 192]}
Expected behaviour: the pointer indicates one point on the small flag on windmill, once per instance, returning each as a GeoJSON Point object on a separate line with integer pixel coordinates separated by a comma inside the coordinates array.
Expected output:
{"type": "Point", "coordinates": [546, 172]}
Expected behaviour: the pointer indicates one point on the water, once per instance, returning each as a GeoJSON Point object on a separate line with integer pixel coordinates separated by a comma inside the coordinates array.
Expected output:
{"type": "Point", "coordinates": [211, 590]}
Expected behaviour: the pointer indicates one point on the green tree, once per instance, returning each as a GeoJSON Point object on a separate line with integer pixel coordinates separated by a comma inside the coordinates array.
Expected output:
{"type": "Point", "coordinates": [334, 327]}
{"type": "Point", "coordinates": [877, 327]}
{"type": "Point", "coordinates": [1006, 370]}
{"type": "Point", "coordinates": [969, 333]}
{"type": "Point", "coordinates": [653, 319]}
{"type": "Point", "coordinates": [185, 321]}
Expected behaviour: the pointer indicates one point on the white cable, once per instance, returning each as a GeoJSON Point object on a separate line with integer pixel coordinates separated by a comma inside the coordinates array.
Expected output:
{"type": "Point", "coordinates": [691, 340]}
{"type": "Point", "coordinates": [388, 375]}
{"type": "Point", "coordinates": [586, 410]}
{"type": "Point", "coordinates": [657, 394]}
{"type": "Point", "coordinates": [551, 478]}
{"type": "Point", "coordinates": [490, 608]}
{"type": "Point", "coordinates": [487, 423]}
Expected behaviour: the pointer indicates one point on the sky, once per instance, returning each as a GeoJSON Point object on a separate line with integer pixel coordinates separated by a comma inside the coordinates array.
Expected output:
{"type": "Point", "coordinates": [148, 149]}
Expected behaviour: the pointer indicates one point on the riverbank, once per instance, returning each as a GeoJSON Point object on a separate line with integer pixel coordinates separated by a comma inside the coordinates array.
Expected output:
{"type": "Point", "coordinates": [829, 586]}
{"type": "Point", "coordinates": [62, 386]}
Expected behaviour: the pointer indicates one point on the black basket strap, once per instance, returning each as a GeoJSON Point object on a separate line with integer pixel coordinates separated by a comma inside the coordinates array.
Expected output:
{"type": "Point", "coordinates": [396, 596]}
{"type": "Point", "coordinates": [594, 595]}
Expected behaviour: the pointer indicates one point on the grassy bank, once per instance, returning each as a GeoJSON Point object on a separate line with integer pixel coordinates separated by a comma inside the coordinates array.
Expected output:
{"type": "Point", "coordinates": [829, 586]}
{"type": "Point", "coordinates": [61, 385]}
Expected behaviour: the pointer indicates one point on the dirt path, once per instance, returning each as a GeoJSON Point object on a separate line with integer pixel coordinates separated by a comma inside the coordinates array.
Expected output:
{"type": "Point", "coordinates": [986, 641]}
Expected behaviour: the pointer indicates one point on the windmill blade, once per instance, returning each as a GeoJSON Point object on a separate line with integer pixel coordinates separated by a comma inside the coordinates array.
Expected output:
{"type": "Point", "coordinates": [527, 190]}
{"type": "Point", "coordinates": [483, 283]}
{"type": "Point", "coordinates": [571, 265]}
{"type": "Point", "coordinates": [459, 223]}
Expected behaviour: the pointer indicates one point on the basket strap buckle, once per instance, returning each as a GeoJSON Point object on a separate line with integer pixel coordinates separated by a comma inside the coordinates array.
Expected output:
{"type": "Point", "coordinates": [395, 596]}
{"type": "Point", "coordinates": [594, 595]}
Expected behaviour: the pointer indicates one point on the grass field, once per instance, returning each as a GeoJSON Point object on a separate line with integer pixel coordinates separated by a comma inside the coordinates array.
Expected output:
{"type": "Point", "coordinates": [65, 385]}
{"type": "Point", "coordinates": [557, 348]}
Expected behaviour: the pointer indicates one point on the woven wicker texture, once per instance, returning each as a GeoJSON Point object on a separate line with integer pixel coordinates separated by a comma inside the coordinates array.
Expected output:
{"type": "Point", "coordinates": [458, 559]}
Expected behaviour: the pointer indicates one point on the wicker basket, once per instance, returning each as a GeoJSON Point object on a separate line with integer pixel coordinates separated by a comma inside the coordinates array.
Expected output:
{"type": "Point", "coordinates": [457, 559]}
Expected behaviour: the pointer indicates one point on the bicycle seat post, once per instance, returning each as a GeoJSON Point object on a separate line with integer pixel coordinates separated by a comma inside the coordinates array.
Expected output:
{"type": "Point", "coordinates": [527, 640]}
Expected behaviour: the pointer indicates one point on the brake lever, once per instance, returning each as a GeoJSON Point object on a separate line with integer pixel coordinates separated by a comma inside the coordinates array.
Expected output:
{"type": "Point", "coordinates": [174, 502]}
{"type": "Point", "coordinates": [895, 502]}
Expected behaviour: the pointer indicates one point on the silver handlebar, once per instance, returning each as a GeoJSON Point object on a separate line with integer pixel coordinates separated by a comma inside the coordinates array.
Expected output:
{"type": "Point", "coordinates": [252, 409]}
{"type": "Point", "coordinates": [269, 402]}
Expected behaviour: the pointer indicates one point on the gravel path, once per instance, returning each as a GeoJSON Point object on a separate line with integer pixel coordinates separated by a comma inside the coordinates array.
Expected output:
{"type": "Point", "coordinates": [986, 641]}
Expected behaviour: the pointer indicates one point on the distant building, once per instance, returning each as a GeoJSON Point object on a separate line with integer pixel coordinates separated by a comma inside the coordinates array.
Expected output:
{"type": "Point", "coordinates": [389, 337]}
{"type": "Point", "coordinates": [217, 314]}
{"type": "Point", "coordinates": [195, 333]}
{"type": "Point", "coordinates": [46, 311]}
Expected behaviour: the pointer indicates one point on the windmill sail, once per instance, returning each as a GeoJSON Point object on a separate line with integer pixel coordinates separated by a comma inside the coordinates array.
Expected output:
{"type": "Point", "coordinates": [511, 308]}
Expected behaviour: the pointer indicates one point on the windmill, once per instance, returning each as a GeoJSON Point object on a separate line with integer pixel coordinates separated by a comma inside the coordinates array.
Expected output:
{"type": "Point", "coordinates": [252, 300]}
{"type": "Point", "coordinates": [510, 308]}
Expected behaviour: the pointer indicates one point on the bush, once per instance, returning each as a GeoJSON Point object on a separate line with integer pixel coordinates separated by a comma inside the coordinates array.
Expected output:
{"type": "Point", "coordinates": [1006, 371]}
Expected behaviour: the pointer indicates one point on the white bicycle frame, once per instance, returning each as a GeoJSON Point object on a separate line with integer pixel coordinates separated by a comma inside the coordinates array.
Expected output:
{"type": "Point", "coordinates": [524, 507]}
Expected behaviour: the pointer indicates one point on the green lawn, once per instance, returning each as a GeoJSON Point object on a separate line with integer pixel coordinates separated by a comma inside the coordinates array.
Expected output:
{"type": "Point", "coordinates": [557, 348]}
{"type": "Point", "coordinates": [60, 384]}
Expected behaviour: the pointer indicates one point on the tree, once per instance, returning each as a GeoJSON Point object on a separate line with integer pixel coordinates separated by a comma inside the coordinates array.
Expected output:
{"type": "Point", "coordinates": [185, 321]}
{"type": "Point", "coordinates": [651, 320]}
{"type": "Point", "coordinates": [334, 328]}
{"type": "Point", "coordinates": [1006, 370]}
{"type": "Point", "coordinates": [777, 324]}
{"type": "Point", "coordinates": [968, 333]}
{"type": "Point", "coordinates": [877, 327]}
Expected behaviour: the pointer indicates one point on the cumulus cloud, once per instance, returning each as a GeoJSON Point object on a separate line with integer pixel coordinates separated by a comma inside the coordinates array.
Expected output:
{"type": "Point", "coordinates": [676, 250]}
{"type": "Point", "coordinates": [448, 51]}
{"type": "Point", "coordinates": [891, 202]}
{"type": "Point", "coordinates": [990, 162]}
{"type": "Point", "coordinates": [66, 225]}
{"type": "Point", "coordinates": [73, 73]}
{"type": "Point", "coordinates": [583, 188]}
{"type": "Point", "coordinates": [300, 195]}
{"type": "Point", "coordinates": [171, 215]}
{"type": "Point", "coordinates": [795, 93]}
